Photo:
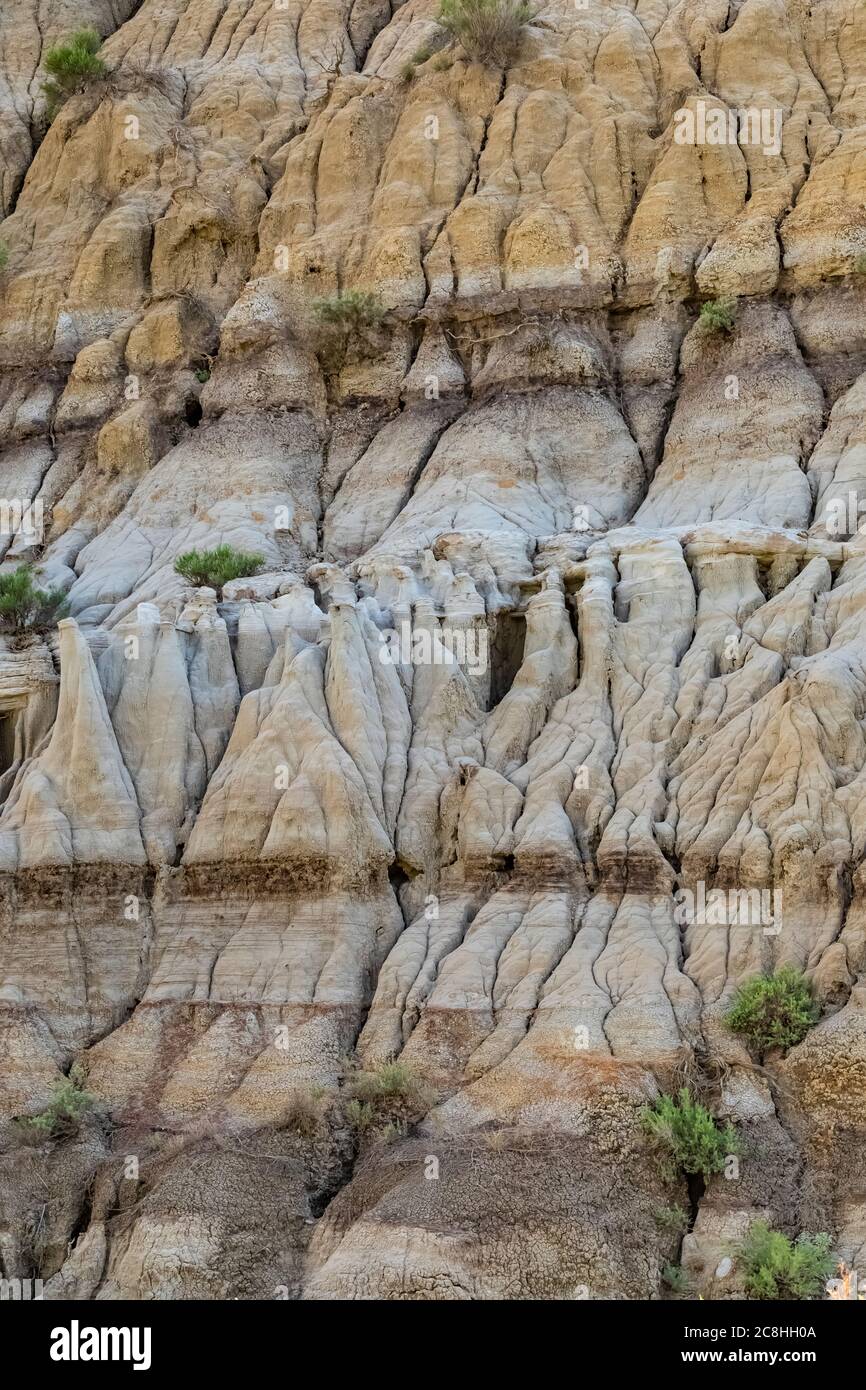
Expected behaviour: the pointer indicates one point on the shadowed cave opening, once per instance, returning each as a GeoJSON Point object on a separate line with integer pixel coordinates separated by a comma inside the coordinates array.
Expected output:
{"type": "Point", "coordinates": [8, 720]}
{"type": "Point", "coordinates": [507, 640]}
{"type": "Point", "coordinates": [696, 1187]}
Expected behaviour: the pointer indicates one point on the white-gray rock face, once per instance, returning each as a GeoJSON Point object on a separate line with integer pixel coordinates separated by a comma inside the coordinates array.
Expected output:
{"type": "Point", "coordinates": [450, 832]}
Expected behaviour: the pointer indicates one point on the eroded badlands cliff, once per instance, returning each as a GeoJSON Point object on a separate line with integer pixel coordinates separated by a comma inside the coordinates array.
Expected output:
{"type": "Point", "coordinates": [241, 853]}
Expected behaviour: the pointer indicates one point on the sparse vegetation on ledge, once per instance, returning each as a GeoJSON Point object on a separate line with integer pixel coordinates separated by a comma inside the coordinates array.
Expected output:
{"type": "Point", "coordinates": [488, 31]}
{"type": "Point", "coordinates": [672, 1221]}
{"type": "Point", "coordinates": [385, 1101]}
{"type": "Point", "coordinates": [676, 1278]}
{"type": "Point", "coordinates": [305, 1113]}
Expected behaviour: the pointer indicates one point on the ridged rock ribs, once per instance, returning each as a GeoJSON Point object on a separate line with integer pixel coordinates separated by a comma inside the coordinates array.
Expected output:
{"type": "Point", "coordinates": [237, 847]}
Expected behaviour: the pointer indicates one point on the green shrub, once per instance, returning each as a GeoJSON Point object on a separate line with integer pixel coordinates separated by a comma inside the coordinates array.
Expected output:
{"type": "Point", "coordinates": [489, 31]}
{"type": "Point", "coordinates": [386, 1101]}
{"type": "Point", "coordinates": [778, 1268]}
{"type": "Point", "coordinates": [72, 67]}
{"type": "Point", "coordinates": [774, 1010]}
{"type": "Point", "coordinates": [4, 255]}
{"type": "Point", "coordinates": [202, 374]}
{"type": "Point", "coordinates": [350, 310]}
{"type": "Point", "coordinates": [421, 55]}
{"type": "Point", "coordinates": [24, 607]}
{"type": "Point", "coordinates": [360, 1115]}
{"type": "Point", "coordinates": [391, 1079]}
{"type": "Point", "coordinates": [718, 315]}
{"type": "Point", "coordinates": [672, 1221]}
{"type": "Point", "coordinates": [860, 265]}
{"type": "Point", "coordinates": [393, 1130]}
{"type": "Point", "coordinates": [676, 1278]}
{"type": "Point", "coordinates": [62, 1115]}
{"type": "Point", "coordinates": [687, 1132]}
{"type": "Point", "coordinates": [214, 568]}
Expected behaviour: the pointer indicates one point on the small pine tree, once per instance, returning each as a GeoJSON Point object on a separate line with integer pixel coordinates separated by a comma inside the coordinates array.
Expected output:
{"type": "Point", "coordinates": [488, 31]}
{"type": "Point", "coordinates": [62, 1116]}
{"type": "Point", "coordinates": [687, 1135]}
{"type": "Point", "coordinates": [779, 1268]}
{"type": "Point", "coordinates": [25, 608]}
{"type": "Point", "coordinates": [774, 1010]}
{"type": "Point", "coordinates": [71, 67]}
{"type": "Point", "coordinates": [214, 568]}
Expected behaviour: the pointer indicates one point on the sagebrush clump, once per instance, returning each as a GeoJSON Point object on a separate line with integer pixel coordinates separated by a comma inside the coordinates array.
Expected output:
{"type": "Point", "coordinates": [420, 56]}
{"type": "Point", "coordinates": [350, 328]}
{"type": "Point", "coordinates": [212, 569]}
{"type": "Point", "coordinates": [777, 1267]}
{"type": "Point", "coordinates": [689, 1139]}
{"type": "Point", "coordinates": [774, 1010]}
{"type": "Point", "coordinates": [672, 1221]}
{"type": "Point", "coordinates": [72, 67]}
{"type": "Point", "coordinates": [351, 310]}
{"type": "Point", "coordinates": [24, 607]}
{"type": "Point", "coordinates": [718, 315]}
{"type": "Point", "coordinates": [385, 1101]}
{"type": "Point", "coordinates": [305, 1113]}
{"type": "Point", "coordinates": [360, 1115]}
{"type": "Point", "coordinates": [676, 1278]}
{"type": "Point", "coordinates": [392, 1079]}
{"type": "Point", "coordinates": [488, 31]}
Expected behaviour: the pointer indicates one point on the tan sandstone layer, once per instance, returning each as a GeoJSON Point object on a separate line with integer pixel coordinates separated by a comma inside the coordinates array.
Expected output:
{"type": "Point", "coordinates": [237, 848]}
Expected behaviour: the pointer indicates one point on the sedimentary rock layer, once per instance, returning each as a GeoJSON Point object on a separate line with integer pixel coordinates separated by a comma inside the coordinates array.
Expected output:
{"type": "Point", "coordinates": [560, 624]}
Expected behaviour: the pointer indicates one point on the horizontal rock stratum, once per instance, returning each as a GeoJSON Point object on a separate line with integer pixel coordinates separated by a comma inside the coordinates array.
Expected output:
{"type": "Point", "coordinates": [559, 622]}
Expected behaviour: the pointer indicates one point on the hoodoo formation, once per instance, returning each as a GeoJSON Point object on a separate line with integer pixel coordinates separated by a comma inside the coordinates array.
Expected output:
{"type": "Point", "coordinates": [432, 647]}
